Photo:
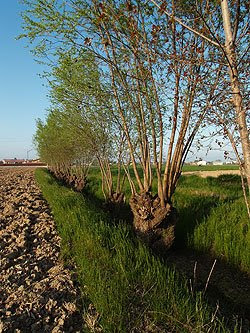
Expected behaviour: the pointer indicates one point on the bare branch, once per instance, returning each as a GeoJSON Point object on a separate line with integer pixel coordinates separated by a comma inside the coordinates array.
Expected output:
{"type": "Point", "coordinates": [185, 25]}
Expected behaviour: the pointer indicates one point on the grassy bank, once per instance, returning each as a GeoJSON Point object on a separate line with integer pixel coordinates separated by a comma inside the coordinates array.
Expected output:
{"type": "Point", "coordinates": [209, 167]}
{"type": "Point", "coordinates": [213, 218]}
{"type": "Point", "coordinates": [130, 288]}
{"type": "Point", "coordinates": [212, 215]}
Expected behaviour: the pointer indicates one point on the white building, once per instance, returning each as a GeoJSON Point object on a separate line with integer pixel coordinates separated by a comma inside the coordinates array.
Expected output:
{"type": "Point", "coordinates": [217, 162]}
{"type": "Point", "coordinates": [230, 162]}
{"type": "Point", "coordinates": [201, 163]}
{"type": "Point", "coordinates": [13, 161]}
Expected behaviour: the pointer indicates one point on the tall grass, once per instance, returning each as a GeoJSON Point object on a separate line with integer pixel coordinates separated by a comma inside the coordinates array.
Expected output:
{"type": "Point", "coordinates": [213, 217]}
{"type": "Point", "coordinates": [209, 167]}
{"type": "Point", "coordinates": [131, 289]}
{"type": "Point", "coordinates": [225, 232]}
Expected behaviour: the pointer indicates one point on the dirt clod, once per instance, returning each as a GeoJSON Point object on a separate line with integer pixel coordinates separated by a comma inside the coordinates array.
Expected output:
{"type": "Point", "coordinates": [37, 293]}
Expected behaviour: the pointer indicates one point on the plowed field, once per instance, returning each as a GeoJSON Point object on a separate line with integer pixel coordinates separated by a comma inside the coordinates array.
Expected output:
{"type": "Point", "coordinates": [37, 293]}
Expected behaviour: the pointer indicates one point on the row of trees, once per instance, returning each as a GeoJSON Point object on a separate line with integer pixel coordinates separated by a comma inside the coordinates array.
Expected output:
{"type": "Point", "coordinates": [132, 82]}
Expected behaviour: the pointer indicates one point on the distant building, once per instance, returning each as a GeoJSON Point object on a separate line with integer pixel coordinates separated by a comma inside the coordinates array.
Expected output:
{"type": "Point", "coordinates": [13, 161]}
{"type": "Point", "coordinates": [24, 162]}
{"type": "Point", "coordinates": [198, 162]}
{"type": "Point", "coordinates": [36, 161]}
{"type": "Point", "coordinates": [217, 162]}
{"type": "Point", "coordinates": [231, 162]}
{"type": "Point", "coordinates": [201, 163]}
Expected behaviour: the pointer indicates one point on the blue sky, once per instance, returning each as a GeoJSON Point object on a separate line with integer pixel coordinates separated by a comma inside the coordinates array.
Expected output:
{"type": "Point", "coordinates": [22, 94]}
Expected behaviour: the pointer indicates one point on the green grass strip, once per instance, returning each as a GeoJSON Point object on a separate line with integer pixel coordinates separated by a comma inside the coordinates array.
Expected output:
{"type": "Point", "coordinates": [213, 218]}
{"type": "Point", "coordinates": [132, 290]}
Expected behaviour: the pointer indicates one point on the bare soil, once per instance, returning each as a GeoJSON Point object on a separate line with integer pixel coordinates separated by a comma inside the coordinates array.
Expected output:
{"type": "Point", "coordinates": [216, 173]}
{"type": "Point", "coordinates": [37, 293]}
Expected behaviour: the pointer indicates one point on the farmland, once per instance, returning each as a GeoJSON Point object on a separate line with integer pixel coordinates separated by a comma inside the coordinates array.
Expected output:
{"type": "Point", "coordinates": [126, 286]}
{"type": "Point", "coordinates": [36, 288]}
{"type": "Point", "coordinates": [213, 223]}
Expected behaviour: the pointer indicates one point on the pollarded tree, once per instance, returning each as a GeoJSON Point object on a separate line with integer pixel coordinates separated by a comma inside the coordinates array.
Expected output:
{"type": "Point", "coordinates": [53, 143]}
{"type": "Point", "coordinates": [58, 145]}
{"type": "Point", "coordinates": [85, 104]}
{"type": "Point", "coordinates": [157, 80]}
{"type": "Point", "coordinates": [224, 25]}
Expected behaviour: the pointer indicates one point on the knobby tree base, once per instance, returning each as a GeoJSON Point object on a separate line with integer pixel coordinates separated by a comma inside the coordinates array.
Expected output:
{"type": "Point", "coordinates": [153, 223]}
{"type": "Point", "coordinates": [116, 198]}
{"type": "Point", "coordinates": [115, 203]}
{"type": "Point", "coordinates": [80, 184]}
{"type": "Point", "coordinates": [76, 182]}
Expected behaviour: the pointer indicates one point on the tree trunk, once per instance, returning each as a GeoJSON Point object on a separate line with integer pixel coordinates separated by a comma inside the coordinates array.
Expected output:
{"type": "Point", "coordinates": [115, 205]}
{"type": "Point", "coordinates": [116, 198]}
{"type": "Point", "coordinates": [71, 180]}
{"type": "Point", "coordinates": [154, 223]}
{"type": "Point", "coordinates": [240, 112]}
{"type": "Point", "coordinates": [80, 183]}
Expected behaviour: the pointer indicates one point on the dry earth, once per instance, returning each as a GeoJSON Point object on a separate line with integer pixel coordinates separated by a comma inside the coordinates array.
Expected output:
{"type": "Point", "coordinates": [216, 173]}
{"type": "Point", "coordinates": [37, 293]}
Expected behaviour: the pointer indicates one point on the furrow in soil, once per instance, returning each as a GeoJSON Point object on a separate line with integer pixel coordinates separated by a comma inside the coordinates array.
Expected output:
{"type": "Point", "coordinates": [37, 293]}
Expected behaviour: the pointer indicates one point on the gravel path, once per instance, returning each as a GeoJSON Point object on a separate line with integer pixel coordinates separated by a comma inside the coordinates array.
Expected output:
{"type": "Point", "coordinates": [36, 291]}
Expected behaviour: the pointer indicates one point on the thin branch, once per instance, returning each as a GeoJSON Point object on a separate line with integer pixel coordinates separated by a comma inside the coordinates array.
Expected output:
{"type": "Point", "coordinates": [236, 23]}
{"type": "Point", "coordinates": [185, 25]}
